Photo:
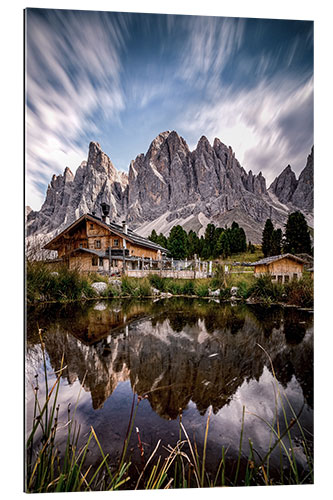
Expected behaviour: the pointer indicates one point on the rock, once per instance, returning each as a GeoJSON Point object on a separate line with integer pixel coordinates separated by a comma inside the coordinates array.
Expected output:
{"type": "Point", "coordinates": [173, 183]}
{"type": "Point", "coordinates": [115, 283]}
{"type": "Point", "coordinates": [284, 185]}
{"type": "Point", "coordinates": [166, 295]}
{"type": "Point", "coordinates": [155, 291]}
{"type": "Point", "coordinates": [99, 286]}
{"type": "Point", "coordinates": [100, 306]}
{"type": "Point", "coordinates": [54, 273]}
{"type": "Point", "coordinates": [214, 293]}
{"type": "Point", "coordinates": [303, 195]}
{"type": "Point", "coordinates": [296, 193]}
{"type": "Point", "coordinates": [233, 291]}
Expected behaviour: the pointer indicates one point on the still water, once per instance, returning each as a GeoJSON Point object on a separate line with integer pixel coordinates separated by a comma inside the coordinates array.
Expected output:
{"type": "Point", "coordinates": [183, 356]}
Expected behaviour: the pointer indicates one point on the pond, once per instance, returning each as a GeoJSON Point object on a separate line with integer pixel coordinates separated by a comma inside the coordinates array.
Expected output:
{"type": "Point", "coordinates": [187, 357]}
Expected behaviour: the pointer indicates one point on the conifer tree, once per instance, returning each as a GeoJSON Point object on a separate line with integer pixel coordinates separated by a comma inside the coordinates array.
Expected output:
{"type": "Point", "coordinates": [297, 236]}
{"type": "Point", "coordinates": [267, 234]}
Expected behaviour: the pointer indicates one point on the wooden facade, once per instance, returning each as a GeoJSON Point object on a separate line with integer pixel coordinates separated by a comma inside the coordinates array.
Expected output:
{"type": "Point", "coordinates": [93, 244]}
{"type": "Point", "coordinates": [281, 268]}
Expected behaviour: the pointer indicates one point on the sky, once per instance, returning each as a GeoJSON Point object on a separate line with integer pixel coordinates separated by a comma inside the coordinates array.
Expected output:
{"type": "Point", "coordinates": [120, 79]}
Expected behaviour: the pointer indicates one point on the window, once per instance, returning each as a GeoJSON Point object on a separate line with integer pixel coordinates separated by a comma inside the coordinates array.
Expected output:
{"type": "Point", "coordinates": [97, 243]}
{"type": "Point", "coordinates": [280, 278]}
{"type": "Point", "coordinates": [295, 276]}
{"type": "Point", "coordinates": [94, 260]}
{"type": "Point", "coordinates": [81, 245]}
{"type": "Point", "coordinates": [101, 261]}
{"type": "Point", "coordinates": [116, 243]}
{"type": "Point", "coordinates": [91, 226]}
{"type": "Point", "coordinates": [286, 279]}
{"type": "Point", "coordinates": [273, 277]}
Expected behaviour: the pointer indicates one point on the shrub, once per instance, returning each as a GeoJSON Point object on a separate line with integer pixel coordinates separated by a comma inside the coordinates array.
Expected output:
{"type": "Point", "coordinates": [243, 290]}
{"type": "Point", "coordinates": [265, 289]}
{"type": "Point", "coordinates": [300, 292]}
{"type": "Point", "coordinates": [157, 282]}
{"type": "Point", "coordinates": [202, 290]}
{"type": "Point", "coordinates": [145, 288]}
{"type": "Point", "coordinates": [43, 285]}
{"type": "Point", "coordinates": [225, 293]}
{"type": "Point", "coordinates": [129, 286]}
{"type": "Point", "coordinates": [218, 280]}
{"type": "Point", "coordinates": [188, 288]}
{"type": "Point", "coordinates": [174, 287]}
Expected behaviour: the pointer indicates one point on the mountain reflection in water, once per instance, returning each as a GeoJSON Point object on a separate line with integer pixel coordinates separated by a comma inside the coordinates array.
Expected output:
{"type": "Point", "coordinates": [183, 354]}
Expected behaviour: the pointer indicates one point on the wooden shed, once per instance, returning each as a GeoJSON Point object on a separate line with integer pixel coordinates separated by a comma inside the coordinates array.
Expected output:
{"type": "Point", "coordinates": [282, 268]}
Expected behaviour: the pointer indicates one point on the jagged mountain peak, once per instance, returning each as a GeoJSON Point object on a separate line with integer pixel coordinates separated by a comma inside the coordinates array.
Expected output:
{"type": "Point", "coordinates": [171, 185]}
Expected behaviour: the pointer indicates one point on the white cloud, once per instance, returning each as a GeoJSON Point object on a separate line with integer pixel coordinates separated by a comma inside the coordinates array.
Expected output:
{"type": "Point", "coordinates": [62, 64]}
{"type": "Point", "coordinates": [211, 43]}
{"type": "Point", "coordinates": [268, 126]}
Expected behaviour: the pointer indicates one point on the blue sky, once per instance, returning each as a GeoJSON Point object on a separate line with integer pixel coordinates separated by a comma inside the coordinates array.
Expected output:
{"type": "Point", "coordinates": [121, 79]}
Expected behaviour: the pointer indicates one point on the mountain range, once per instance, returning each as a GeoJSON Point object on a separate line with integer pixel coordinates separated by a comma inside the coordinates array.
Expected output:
{"type": "Point", "coordinates": [172, 185]}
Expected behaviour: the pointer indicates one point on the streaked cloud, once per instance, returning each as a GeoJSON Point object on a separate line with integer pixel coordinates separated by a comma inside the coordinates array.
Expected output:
{"type": "Point", "coordinates": [73, 70]}
{"type": "Point", "coordinates": [121, 79]}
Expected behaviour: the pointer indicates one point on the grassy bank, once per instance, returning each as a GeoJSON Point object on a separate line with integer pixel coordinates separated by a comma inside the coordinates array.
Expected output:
{"type": "Point", "coordinates": [64, 285]}
{"type": "Point", "coordinates": [50, 468]}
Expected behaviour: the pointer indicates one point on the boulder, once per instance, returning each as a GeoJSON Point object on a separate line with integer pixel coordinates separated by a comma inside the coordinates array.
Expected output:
{"type": "Point", "coordinates": [214, 293]}
{"type": "Point", "coordinates": [100, 306]}
{"type": "Point", "coordinates": [233, 291]}
{"type": "Point", "coordinates": [99, 286]}
{"type": "Point", "coordinates": [155, 291]}
{"type": "Point", "coordinates": [115, 283]}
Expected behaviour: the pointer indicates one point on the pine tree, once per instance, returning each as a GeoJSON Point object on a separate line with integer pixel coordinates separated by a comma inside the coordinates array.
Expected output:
{"type": "Point", "coordinates": [223, 244]}
{"type": "Point", "coordinates": [153, 237]}
{"type": "Point", "coordinates": [267, 234]}
{"type": "Point", "coordinates": [177, 242]}
{"type": "Point", "coordinates": [297, 236]}
{"type": "Point", "coordinates": [276, 242]}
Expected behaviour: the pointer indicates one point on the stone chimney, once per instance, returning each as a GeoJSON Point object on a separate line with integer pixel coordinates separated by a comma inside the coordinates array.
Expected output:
{"type": "Point", "coordinates": [105, 213]}
{"type": "Point", "coordinates": [124, 226]}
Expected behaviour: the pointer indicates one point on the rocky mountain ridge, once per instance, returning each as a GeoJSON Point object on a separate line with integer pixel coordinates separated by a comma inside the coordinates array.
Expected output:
{"type": "Point", "coordinates": [172, 185]}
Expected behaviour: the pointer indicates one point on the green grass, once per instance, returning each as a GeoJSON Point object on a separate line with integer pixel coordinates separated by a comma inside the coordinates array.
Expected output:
{"type": "Point", "coordinates": [43, 285]}
{"type": "Point", "coordinates": [56, 284]}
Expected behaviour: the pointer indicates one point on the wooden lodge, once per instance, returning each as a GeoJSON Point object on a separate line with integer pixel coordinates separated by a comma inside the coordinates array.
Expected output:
{"type": "Point", "coordinates": [96, 244]}
{"type": "Point", "coordinates": [282, 268]}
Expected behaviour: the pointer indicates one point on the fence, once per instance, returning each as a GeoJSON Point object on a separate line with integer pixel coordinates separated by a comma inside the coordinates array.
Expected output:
{"type": "Point", "coordinates": [172, 268]}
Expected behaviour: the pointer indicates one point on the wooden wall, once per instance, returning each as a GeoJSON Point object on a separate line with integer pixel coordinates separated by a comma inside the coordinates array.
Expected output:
{"type": "Point", "coordinates": [283, 267]}
{"type": "Point", "coordinates": [93, 236]}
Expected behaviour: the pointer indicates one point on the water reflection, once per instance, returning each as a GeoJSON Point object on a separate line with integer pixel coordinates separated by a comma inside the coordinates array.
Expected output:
{"type": "Point", "coordinates": [174, 351]}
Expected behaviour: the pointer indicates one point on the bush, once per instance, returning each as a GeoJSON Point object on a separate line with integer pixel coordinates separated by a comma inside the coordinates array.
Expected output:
{"type": "Point", "coordinates": [43, 285]}
{"type": "Point", "coordinates": [243, 290]}
{"type": "Point", "coordinates": [111, 291]}
{"type": "Point", "coordinates": [174, 287]}
{"type": "Point", "coordinates": [264, 288]}
{"type": "Point", "coordinates": [136, 287]}
{"type": "Point", "coordinates": [188, 288]}
{"type": "Point", "coordinates": [157, 282]}
{"type": "Point", "coordinates": [225, 293]}
{"type": "Point", "coordinates": [202, 290]}
{"type": "Point", "coordinates": [218, 280]}
{"type": "Point", "coordinates": [300, 292]}
{"type": "Point", "coordinates": [145, 288]}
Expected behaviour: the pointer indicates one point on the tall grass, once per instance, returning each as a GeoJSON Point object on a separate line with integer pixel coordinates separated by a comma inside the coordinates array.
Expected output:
{"type": "Point", "coordinates": [43, 284]}
{"type": "Point", "coordinates": [65, 285]}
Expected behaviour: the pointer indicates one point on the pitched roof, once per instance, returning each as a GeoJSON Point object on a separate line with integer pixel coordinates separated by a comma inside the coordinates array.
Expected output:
{"type": "Point", "coordinates": [130, 236]}
{"type": "Point", "coordinates": [275, 258]}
